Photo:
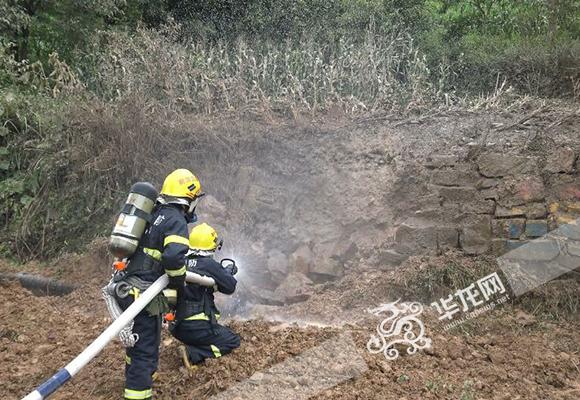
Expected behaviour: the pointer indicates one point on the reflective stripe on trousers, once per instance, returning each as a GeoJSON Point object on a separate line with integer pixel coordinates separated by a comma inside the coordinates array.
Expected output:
{"type": "Point", "coordinates": [216, 352]}
{"type": "Point", "coordinates": [138, 394]}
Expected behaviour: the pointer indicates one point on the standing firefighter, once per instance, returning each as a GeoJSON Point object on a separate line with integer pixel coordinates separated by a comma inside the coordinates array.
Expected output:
{"type": "Point", "coordinates": [162, 249]}
{"type": "Point", "coordinates": [196, 315]}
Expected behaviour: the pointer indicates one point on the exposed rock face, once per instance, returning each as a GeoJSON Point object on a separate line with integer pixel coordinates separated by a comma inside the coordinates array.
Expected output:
{"type": "Point", "coordinates": [321, 202]}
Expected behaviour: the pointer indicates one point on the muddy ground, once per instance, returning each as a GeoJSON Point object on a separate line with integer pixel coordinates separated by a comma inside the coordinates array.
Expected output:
{"type": "Point", "coordinates": [509, 352]}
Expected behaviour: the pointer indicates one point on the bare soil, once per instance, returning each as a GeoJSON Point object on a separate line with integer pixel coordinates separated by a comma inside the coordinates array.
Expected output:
{"type": "Point", "coordinates": [506, 353]}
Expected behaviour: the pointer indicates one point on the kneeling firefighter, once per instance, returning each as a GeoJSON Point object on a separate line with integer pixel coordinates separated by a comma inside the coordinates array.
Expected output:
{"type": "Point", "coordinates": [196, 315]}
{"type": "Point", "coordinates": [162, 248]}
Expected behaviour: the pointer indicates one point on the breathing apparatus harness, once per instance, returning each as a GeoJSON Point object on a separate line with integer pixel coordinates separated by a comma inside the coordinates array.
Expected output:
{"type": "Point", "coordinates": [133, 221]}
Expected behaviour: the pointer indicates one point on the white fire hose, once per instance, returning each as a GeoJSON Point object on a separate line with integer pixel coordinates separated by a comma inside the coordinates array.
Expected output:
{"type": "Point", "coordinates": [126, 318]}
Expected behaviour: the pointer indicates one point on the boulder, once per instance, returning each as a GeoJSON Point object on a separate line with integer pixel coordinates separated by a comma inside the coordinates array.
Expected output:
{"type": "Point", "coordinates": [301, 260]}
{"type": "Point", "coordinates": [295, 288]}
{"type": "Point", "coordinates": [561, 160]}
{"type": "Point", "coordinates": [503, 212]}
{"type": "Point", "coordinates": [327, 262]}
{"type": "Point", "coordinates": [412, 237]}
{"type": "Point", "coordinates": [536, 210]}
{"type": "Point", "coordinates": [476, 236]}
{"type": "Point", "coordinates": [277, 265]}
{"type": "Point", "coordinates": [455, 177]}
{"type": "Point", "coordinates": [536, 228]}
{"type": "Point", "coordinates": [521, 190]}
{"type": "Point", "coordinates": [508, 228]}
{"type": "Point", "coordinates": [499, 164]}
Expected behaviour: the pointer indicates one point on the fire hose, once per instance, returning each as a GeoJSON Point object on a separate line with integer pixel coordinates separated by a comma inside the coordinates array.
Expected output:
{"type": "Point", "coordinates": [124, 319]}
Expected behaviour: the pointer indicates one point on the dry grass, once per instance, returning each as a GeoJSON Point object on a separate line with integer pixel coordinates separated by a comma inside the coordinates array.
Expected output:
{"type": "Point", "coordinates": [381, 73]}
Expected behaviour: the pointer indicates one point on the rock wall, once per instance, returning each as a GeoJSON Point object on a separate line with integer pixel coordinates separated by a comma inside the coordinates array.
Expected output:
{"type": "Point", "coordinates": [493, 202]}
{"type": "Point", "coordinates": [308, 204]}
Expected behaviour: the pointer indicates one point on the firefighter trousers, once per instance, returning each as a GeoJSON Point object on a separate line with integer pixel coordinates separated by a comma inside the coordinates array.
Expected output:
{"type": "Point", "coordinates": [203, 340]}
{"type": "Point", "coordinates": [141, 360]}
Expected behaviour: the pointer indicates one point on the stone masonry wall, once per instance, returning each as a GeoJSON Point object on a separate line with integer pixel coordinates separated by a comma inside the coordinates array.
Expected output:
{"type": "Point", "coordinates": [494, 202]}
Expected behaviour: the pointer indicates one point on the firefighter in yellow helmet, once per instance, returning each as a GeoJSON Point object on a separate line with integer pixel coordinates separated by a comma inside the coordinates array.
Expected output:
{"type": "Point", "coordinates": [162, 249]}
{"type": "Point", "coordinates": [196, 316]}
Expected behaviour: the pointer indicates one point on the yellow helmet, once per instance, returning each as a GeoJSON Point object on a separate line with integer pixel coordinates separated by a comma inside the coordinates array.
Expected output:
{"type": "Point", "coordinates": [203, 238]}
{"type": "Point", "coordinates": [181, 183]}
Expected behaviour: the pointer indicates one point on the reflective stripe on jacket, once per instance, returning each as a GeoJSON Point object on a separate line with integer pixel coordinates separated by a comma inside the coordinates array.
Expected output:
{"type": "Point", "coordinates": [163, 246]}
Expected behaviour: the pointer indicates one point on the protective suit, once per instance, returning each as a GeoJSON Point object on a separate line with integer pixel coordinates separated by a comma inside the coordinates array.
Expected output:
{"type": "Point", "coordinates": [196, 318]}
{"type": "Point", "coordinates": [162, 249]}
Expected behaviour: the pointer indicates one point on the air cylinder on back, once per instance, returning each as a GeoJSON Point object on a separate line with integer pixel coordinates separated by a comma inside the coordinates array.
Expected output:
{"type": "Point", "coordinates": [132, 220]}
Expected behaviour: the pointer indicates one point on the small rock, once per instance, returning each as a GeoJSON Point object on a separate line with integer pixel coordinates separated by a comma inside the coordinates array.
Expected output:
{"type": "Point", "coordinates": [536, 210]}
{"type": "Point", "coordinates": [463, 176]}
{"type": "Point", "coordinates": [496, 356]}
{"type": "Point", "coordinates": [521, 190]}
{"type": "Point", "coordinates": [454, 352]}
{"type": "Point", "coordinates": [525, 319]}
{"type": "Point", "coordinates": [503, 212]}
{"type": "Point", "coordinates": [385, 367]}
{"type": "Point", "coordinates": [508, 228]}
{"type": "Point", "coordinates": [278, 328]}
{"type": "Point", "coordinates": [564, 356]}
{"type": "Point", "coordinates": [487, 183]}
{"type": "Point", "coordinates": [441, 160]}
{"type": "Point", "coordinates": [258, 376]}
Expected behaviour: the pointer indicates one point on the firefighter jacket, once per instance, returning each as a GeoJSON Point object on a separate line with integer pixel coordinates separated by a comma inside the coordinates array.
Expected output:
{"type": "Point", "coordinates": [196, 303]}
{"type": "Point", "coordinates": [163, 246]}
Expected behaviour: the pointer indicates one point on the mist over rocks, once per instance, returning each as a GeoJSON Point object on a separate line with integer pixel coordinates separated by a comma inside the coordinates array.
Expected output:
{"type": "Point", "coordinates": [309, 199]}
